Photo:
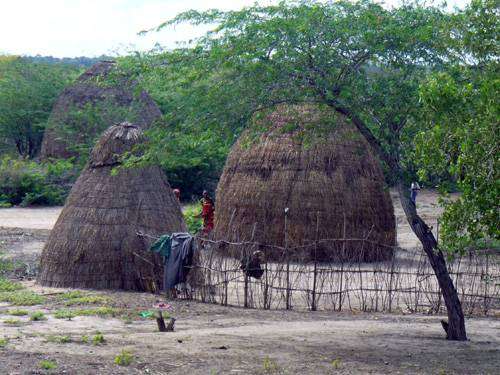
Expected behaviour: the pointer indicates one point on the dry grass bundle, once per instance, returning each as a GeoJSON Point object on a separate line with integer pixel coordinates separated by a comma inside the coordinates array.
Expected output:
{"type": "Point", "coordinates": [91, 105]}
{"type": "Point", "coordinates": [94, 242]}
{"type": "Point", "coordinates": [315, 163]}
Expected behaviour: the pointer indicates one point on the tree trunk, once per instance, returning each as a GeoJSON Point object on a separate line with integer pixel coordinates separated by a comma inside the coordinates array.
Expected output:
{"type": "Point", "coordinates": [455, 328]}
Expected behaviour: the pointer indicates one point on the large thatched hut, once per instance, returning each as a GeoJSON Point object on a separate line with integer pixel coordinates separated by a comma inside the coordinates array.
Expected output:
{"type": "Point", "coordinates": [313, 162]}
{"type": "Point", "coordinates": [100, 97]}
{"type": "Point", "coordinates": [94, 242]}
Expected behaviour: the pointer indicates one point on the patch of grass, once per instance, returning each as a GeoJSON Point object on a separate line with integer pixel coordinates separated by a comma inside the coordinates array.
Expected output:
{"type": "Point", "coordinates": [58, 339]}
{"type": "Point", "coordinates": [37, 316]}
{"type": "Point", "coordinates": [98, 339]}
{"type": "Point", "coordinates": [6, 265]}
{"type": "Point", "coordinates": [71, 295]}
{"type": "Point", "coordinates": [22, 298]}
{"type": "Point", "coordinates": [64, 314]}
{"type": "Point", "coordinates": [12, 322]}
{"type": "Point", "coordinates": [85, 339]}
{"type": "Point", "coordinates": [87, 300]}
{"type": "Point", "coordinates": [18, 312]}
{"type": "Point", "coordinates": [7, 285]}
{"type": "Point", "coordinates": [337, 363]}
{"type": "Point", "coordinates": [99, 311]}
{"type": "Point", "coordinates": [125, 358]}
{"type": "Point", "coordinates": [47, 365]}
{"type": "Point", "coordinates": [102, 311]}
{"type": "Point", "coordinates": [3, 342]}
{"type": "Point", "coordinates": [270, 366]}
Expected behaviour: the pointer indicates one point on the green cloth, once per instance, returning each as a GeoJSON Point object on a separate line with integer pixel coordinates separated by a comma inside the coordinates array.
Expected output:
{"type": "Point", "coordinates": [146, 314]}
{"type": "Point", "coordinates": [162, 246]}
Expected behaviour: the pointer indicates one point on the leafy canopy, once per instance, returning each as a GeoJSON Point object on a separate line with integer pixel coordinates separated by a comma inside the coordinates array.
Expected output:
{"type": "Point", "coordinates": [462, 137]}
{"type": "Point", "coordinates": [27, 93]}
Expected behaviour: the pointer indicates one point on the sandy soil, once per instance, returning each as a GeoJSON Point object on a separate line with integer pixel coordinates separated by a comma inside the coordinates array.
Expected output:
{"type": "Point", "coordinates": [211, 339]}
{"type": "Point", "coordinates": [29, 218]}
{"type": "Point", "coordinates": [46, 217]}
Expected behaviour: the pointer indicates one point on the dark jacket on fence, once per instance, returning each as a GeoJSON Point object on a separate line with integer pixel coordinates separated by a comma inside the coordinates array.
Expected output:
{"type": "Point", "coordinates": [178, 251]}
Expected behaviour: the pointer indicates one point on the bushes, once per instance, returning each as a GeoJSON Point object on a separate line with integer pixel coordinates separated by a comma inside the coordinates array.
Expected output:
{"type": "Point", "coordinates": [24, 182]}
{"type": "Point", "coordinates": [193, 221]}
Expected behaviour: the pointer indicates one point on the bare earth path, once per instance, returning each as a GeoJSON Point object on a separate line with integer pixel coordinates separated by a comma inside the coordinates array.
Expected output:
{"type": "Point", "coordinates": [211, 339]}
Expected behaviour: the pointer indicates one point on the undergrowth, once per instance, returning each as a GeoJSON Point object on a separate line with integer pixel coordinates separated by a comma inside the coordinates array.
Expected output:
{"type": "Point", "coordinates": [22, 298]}
{"type": "Point", "coordinates": [125, 358]}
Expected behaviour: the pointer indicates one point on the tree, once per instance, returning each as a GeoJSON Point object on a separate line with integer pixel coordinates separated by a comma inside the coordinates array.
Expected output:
{"type": "Point", "coordinates": [360, 59]}
{"type": "Point", "coordinates": [27, 93]}
{"type": "Point", "coordinates": [462, 138]}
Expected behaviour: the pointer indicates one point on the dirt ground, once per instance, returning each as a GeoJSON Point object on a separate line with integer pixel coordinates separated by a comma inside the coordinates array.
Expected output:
{"type": "Point", "coordinates": [211, 339]}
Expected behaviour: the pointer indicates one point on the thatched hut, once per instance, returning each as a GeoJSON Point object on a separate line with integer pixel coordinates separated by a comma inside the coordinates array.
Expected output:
{"type": "Point", "coordinates": [99, 98]}
{"type": "Point", "coordinates": [314, 162]}
{"type": "Point", "coordinates": [94, 242]}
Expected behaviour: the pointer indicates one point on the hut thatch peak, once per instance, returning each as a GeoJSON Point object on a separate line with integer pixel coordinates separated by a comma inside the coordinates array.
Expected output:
{"type": "Point", "coordinates": [115, 142]}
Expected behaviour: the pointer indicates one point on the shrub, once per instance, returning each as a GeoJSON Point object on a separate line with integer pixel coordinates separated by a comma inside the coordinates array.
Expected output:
{"type": "Point", "coordinates": [37, 316]}
{"type": "Point", "coordinates": [6, 266]}
{"type": "Point", "coordinates": [98, 339]}
{"type": "Point", "coordinates": [47, 365]}
{"type": "Point", "coordinates": [9, 286]}
{"type": "Point", "coordinates": [193, 222]}
{"type": "Point", "coordinates": [124, 358]}
{"type": "Point", "coordinates": [3, 342]}
{"type": "Point", "coordinates": [25, 182]}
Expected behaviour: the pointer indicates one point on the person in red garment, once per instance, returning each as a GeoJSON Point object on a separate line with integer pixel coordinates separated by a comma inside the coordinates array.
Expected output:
{"type": "Point", "coordinates": [207, 212]}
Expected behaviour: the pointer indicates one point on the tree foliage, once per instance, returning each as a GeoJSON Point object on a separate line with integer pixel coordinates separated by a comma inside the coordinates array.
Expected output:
{"type": "Point", "coordinates": [462, 134]}
{"type": "Point", "coordinates": [27, 93]}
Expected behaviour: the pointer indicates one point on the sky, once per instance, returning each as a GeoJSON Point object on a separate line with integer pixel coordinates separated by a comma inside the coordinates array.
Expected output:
{"type": "Point", "coordinates": [69, 28]}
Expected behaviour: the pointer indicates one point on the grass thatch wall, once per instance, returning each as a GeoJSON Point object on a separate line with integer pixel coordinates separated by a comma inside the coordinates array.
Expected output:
{"type": "Point", "coordinates": [92, 104]}
{"type": "Point", "coordinates": [314, 162]}
{"type": "Point", "coordinates": [94, 240]}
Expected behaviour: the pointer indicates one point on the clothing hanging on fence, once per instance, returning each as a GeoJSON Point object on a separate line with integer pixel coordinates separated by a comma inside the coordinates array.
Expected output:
{"type": "Point", "coordinates": [180, 260]}
{"type": "Point", "coordinates": [162, 246]}
{"type": "Point", "coordinates": [177, 251]}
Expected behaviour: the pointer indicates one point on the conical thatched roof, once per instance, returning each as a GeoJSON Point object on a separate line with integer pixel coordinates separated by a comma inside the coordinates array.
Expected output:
{"type": "Point", "coordinates": [315, 163]}
{"type": "Point", "coordinates": [92, 104]}
{"type": "Point", "coordinates": [94, 242]}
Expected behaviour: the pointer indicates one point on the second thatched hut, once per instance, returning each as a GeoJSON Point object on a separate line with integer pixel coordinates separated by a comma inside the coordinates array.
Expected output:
{"type": "Point", "coordinates": [302, 173]}
{"type": "Point", "coordinates": [94, 242]}
{"type": "Point", "coordinates": [100, 97]}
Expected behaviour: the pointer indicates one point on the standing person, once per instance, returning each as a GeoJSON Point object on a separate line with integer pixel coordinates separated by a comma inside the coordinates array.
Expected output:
{"type": "Point", "coordinates": [207, 212]}
{"type": "Point", "coordinates": [177, 194]}
{"type": "Point", "coordinates": [415, 187]}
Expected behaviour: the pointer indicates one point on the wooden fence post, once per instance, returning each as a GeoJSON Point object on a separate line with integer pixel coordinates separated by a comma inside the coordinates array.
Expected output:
{"type": "Point", "coordinates": [313, 304]}
{"type": "Point", "coordinates": [288, 292]}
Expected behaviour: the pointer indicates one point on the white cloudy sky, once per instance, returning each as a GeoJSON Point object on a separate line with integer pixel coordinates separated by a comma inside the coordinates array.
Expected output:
{"type": "Point", "coordinates": [95, 27]}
